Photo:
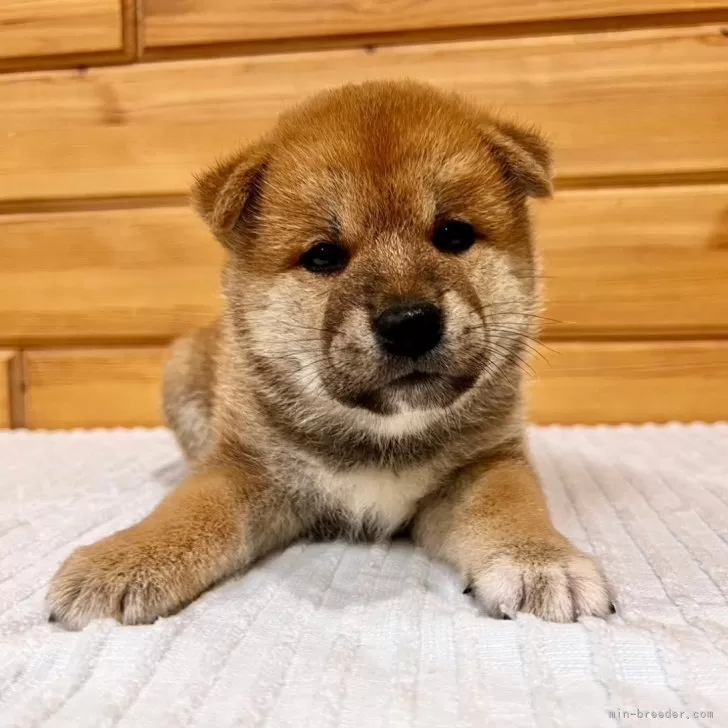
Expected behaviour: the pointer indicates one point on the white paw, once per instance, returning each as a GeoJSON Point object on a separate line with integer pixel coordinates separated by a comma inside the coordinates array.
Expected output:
{"type": "Point", "coordinates": [555, 584]}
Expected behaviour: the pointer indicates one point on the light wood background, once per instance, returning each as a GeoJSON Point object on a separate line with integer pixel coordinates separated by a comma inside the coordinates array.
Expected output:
{"type": "Point", "coordinates": [108, 107]}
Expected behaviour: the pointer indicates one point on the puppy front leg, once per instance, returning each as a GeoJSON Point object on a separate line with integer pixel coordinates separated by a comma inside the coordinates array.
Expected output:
{"type": "Point", "coordinates": [216, 522]}
{"type": "Point", "coordinates": [494, 528]}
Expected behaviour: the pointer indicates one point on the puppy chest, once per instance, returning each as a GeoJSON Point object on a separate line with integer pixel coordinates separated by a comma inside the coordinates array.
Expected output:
{"type": "Point", "coordinates": [374, 499]}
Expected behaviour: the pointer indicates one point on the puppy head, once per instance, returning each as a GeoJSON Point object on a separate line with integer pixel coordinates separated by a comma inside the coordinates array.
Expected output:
{"type": "Point", "coordinates": [380, 260]}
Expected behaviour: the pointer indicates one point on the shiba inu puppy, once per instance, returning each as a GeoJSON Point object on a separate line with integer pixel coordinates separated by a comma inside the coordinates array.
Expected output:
{"type": "Point", "coordinates": [364, 378]}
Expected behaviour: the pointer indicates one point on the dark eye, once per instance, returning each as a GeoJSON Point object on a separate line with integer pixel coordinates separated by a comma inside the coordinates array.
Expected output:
{"type": "Point", "coordinates": [454, 236]}
{"type": "Point", "coordinates": [325, 258]}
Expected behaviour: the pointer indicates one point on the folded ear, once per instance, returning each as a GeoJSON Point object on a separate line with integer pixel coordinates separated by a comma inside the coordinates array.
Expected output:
{"type": "Point", "coordinates": [524, 156]}
{"type": "Point", "coordinates": [227, 193]}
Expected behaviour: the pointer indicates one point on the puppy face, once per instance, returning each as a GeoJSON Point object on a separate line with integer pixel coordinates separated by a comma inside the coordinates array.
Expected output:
{"type": "Point", "coordinates": [380, 256]}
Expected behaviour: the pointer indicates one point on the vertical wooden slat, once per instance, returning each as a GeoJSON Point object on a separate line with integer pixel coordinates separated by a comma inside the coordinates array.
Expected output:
{"type": "Point", "coordinates": [10, 394]}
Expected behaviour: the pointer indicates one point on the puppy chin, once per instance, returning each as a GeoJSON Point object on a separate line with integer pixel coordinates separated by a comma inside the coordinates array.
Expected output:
{"type": "Point", "coordinates": [400, 419]}
{"type": "Point", "coordinates": [427, 392]}
{"type": "Point", "coordinates": [406, 406]}
{"type": "Point", "coordinates": [408, 409]}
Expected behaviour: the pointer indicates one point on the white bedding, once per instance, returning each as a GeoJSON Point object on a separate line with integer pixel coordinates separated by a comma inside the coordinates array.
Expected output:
{"type": "Point", "coordinates": [341, 635]}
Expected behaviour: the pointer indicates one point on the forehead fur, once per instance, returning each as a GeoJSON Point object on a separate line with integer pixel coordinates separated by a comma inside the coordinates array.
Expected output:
{"type": "Point", "coordinates": [379, 158]}
{"type": "Point", "coordinates": [382, 123]}
{"type": "Point", "coordinates": [381, 134]}
{"type": "Point", "coordinates": [379, 153]}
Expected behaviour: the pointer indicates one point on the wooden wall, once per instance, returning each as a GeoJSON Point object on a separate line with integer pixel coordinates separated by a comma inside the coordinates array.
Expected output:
{"type": "Point", "coordinates": [109, 106]}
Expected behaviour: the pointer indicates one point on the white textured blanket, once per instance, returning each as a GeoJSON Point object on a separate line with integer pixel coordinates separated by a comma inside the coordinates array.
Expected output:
{"type": "Point", "coordinates": [341, 635]}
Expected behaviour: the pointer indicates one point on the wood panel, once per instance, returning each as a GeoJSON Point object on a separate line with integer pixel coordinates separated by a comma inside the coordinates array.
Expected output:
{"type": "Point", "coordinates": [610, 383]}
{"type": "Point", "coordinates": [595, 382]}
{"type": "Point", "coordinates": [58, 27]}
{"type": "Point", "coordinates": [106, 275]}
{"type": "Point", "coordinates": [8, 387]}
{"type": "Point", "coordinates": [617, 262]}
{"type": "Point", "coordinates": [642, 102]}
{"type": "Point", "coordinates": [186, 22]}
{"type": "Point", "coordinates": [636, 261]}
{"type": "Point", "coordinates": [93, 388]}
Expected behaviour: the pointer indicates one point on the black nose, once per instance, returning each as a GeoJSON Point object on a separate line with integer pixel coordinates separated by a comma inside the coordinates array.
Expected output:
{"type": "Point", "coordinates": [409, 328]}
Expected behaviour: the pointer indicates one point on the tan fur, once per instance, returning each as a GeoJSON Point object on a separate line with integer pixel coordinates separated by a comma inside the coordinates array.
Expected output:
{"type": "Point", "coordinates": [294, 419]}
{"type": "Point", "coordinates": [494, 527]}
{"type": "Point", "coordinates": [203, 531]}
{"type": "Point", "coordinates": [189, 390]}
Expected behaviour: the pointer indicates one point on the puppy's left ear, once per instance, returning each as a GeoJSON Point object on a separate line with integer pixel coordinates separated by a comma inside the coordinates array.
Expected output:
{"type": "Point", "coordinates": [523, 155]}
{"type": "Point", "coordinates": [226, 194]}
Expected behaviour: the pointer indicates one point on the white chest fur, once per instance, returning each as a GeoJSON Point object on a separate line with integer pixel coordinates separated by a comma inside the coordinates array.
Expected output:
{"type": "Point", "coordinates": [379, 496]}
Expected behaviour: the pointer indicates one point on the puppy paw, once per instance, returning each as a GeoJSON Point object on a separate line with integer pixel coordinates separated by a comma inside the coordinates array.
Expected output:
{"type": "Point", "coordinates": [125, 577]}
{"type": "Point", "coordinates": [554, 582]}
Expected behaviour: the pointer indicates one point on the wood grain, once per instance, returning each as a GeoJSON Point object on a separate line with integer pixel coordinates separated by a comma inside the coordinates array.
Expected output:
{"type": "Point", "coordinates": [58, 27]}
{"type": "Point", "coordinates": [648, 102]}
{"type": "Point", "coordinates": [7, 387]}
{"type": "Point", "coordinates": [586, 382]}
{"type": "Point", "coordinates": [189, 22]}
{"type": "Point", "coordinates": [621, 262]}
{"type": "Point", "coordinates": [650, 261]}
{"type": "Point", "coordinates": [611, 383]}
{"type": "Point", "coordinates": [93, 387]}
{"type": "Point", "coordinates": [106, 275]}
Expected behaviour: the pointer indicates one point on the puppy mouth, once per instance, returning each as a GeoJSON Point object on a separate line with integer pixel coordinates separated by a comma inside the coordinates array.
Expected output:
{"type": "Point", "coordinates": [414, 379]}
{"type": "Point", "coordinates": [417, 389]}
{"type": "Point", "coordinates": [430, 381]}
{"type": "Point", "coordinates": [397, 384]}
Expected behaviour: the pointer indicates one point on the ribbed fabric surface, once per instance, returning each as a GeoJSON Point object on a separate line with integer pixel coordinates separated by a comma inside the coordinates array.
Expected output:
{"type": "Point", "coordinates": [341, 635]}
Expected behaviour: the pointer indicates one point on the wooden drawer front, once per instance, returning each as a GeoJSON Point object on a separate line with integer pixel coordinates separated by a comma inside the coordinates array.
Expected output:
{"type": "Point", "coordinates": [623, 262]}
{"type": "Point", "coordinates": [106, 275]}
{"type": "Point", "coordinates": [610, 383]}
{"type": "Point", "coordinates": [93, 388]}
{"type": "Point", "coordinates": [587, 382]}
{"type": "Point", "coordinates": [37, 28]}
{"type": "Point", "coordinates": [650, 102]}
{"type": "Point", "coordinates": [185, 22]}
{"type": "Point", "coordinates": [636, 261]}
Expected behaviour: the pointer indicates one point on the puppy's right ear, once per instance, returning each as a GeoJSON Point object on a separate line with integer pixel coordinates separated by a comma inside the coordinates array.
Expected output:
{"type": "Point", "coordinates": [225, 195]}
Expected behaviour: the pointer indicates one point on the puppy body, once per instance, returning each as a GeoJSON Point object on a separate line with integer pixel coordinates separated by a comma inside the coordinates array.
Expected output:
{"type": "Point", "coordinates": [365, 375]}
